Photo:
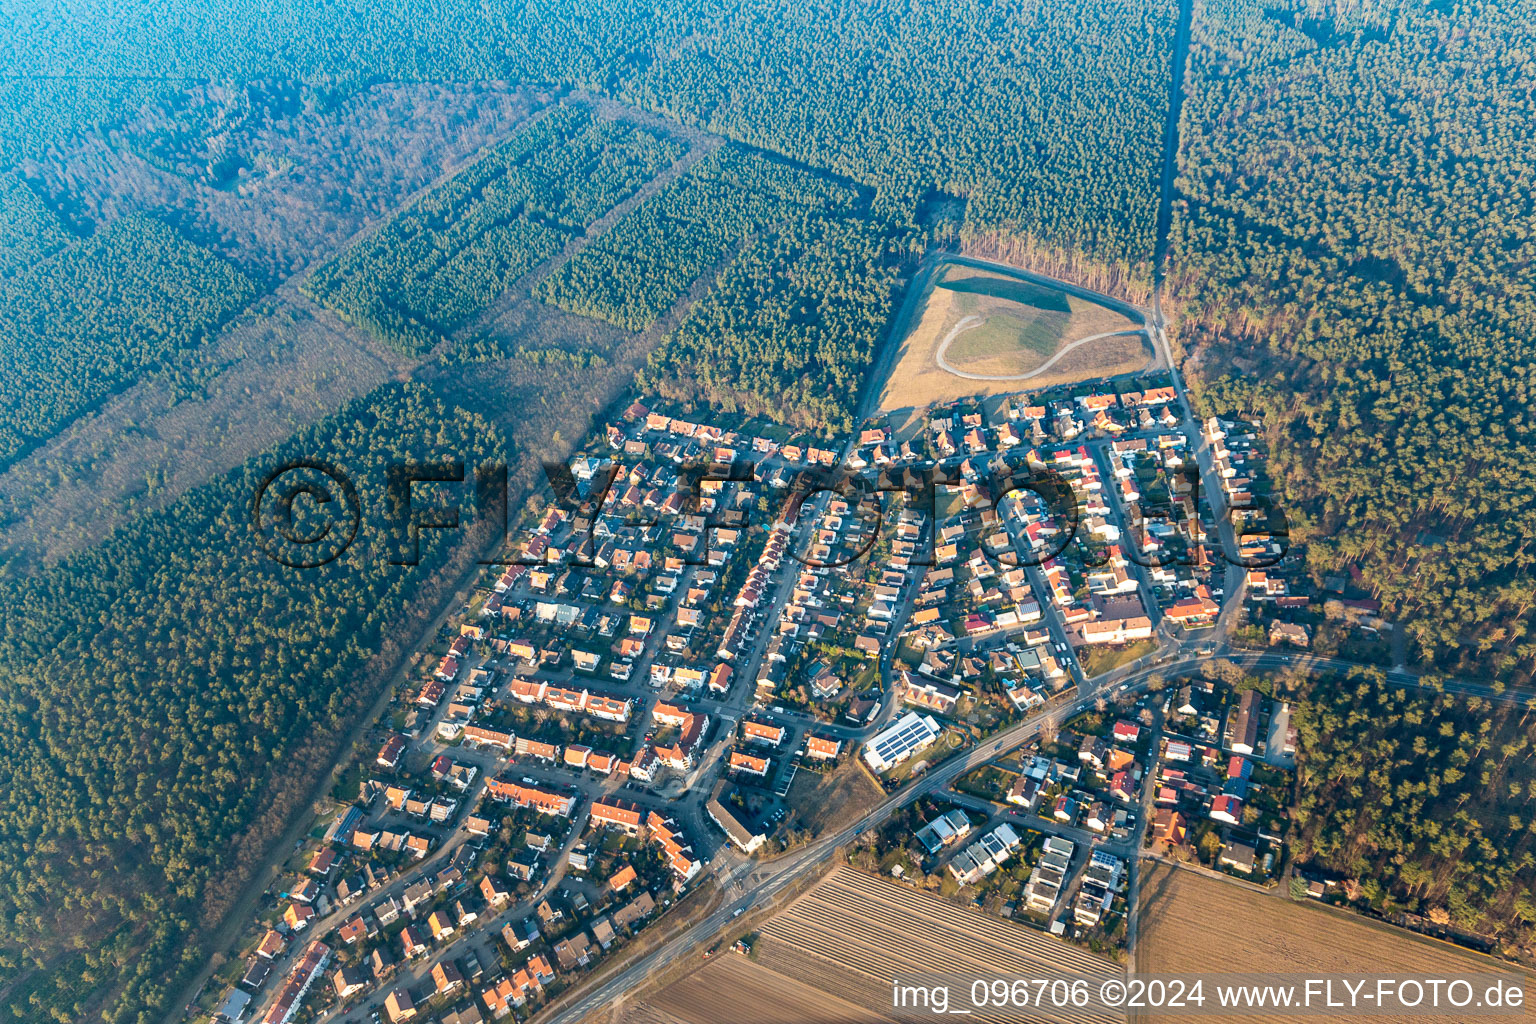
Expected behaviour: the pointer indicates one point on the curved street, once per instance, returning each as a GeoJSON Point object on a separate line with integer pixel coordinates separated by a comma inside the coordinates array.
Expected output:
{"type": "Point", "coordinates": [1176, 656]}
{"type": "Point", "coordinates": [767, 880]}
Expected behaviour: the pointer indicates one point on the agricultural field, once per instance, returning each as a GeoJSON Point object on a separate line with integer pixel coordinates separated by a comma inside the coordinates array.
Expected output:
{"type": "Point", "coordinates": [830, 956]}
{"type": "Point", "coordinates": [970, 320]}
{"type": "Point", "coordinates": [1192, 923]}
{"type": "Point", "coordinates": [444, 259]}
{"type": "Point", "coordinates": [853, 933]}
{"type": "Point", "coordinates": [634, 273]}
{"type": "Point", "coordinates": [734, 988]}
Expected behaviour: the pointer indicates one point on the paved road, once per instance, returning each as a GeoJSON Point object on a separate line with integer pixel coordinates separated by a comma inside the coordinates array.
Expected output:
{"type": "Point", "coordinates": [1145, 812]}
{"type": "Point", "coordinates": [998, 813]}
{"type": "Point", "coordinates": [1146, 590]}
{"type": "Point", "coordinates": [1171, 661]}
{"type": "Point", "coordinates": [772, 878]}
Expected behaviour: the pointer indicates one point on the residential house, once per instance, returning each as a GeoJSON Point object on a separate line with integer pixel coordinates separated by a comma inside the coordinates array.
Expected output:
{"type": "Point", "coordinates": [446, 977]}
{"type": "Point", "coordinates": [399, 1006]}
{"type": "Point", "coordinates": [573, 951]}
{"type": "Point", "coordinates": [1238, 855]}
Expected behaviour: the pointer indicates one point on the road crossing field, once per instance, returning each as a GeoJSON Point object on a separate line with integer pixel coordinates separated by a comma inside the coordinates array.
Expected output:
{"type": "Point", "coordinates": [833, 953]}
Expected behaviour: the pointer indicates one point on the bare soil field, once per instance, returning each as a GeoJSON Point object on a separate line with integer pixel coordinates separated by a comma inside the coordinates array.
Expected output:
{"type": "Point", "coordinates": [990, 323]}
{"type": "Point", "coordinates": [826, 803]}
{"type": "Point", "coordinates": [831, 955]}
{"type": "Point", "coordinates": [1191, 923]}
{"type": "Point", "coordinates": [735, 989]}
{"type": "Point", "coordinates": [854, 934]}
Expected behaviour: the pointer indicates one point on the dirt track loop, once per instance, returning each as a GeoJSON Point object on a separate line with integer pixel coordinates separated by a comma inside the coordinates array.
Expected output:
{"type": "Point", "coordinates": [973, 321]}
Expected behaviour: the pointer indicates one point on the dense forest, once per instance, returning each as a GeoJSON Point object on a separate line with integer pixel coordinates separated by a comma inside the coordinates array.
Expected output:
{"type": "Point", "coordinates": [790, 327]}
{"type": "Point", "coordinates": [40, 113]}
{"type": "Point", "coordinates": [1425, 802]}
{"type": "Point", "coordinates": [29, 231]}
{"type": "Point", "coordinates": [447, 256]}
{"type": "Point", "coordinates": [197, 133]}
{"type": "Point", "coordinates": [964, 98]}
{"type": "Point", "coordinates": [165, 688]}
{"type": "Point", "coordinates": [1350, 260]}
{"type": "Point", "coordinates": [635, 272]}
{"type": "Point", "coordinates": [87, 321]}
{"type": "Point", "coordinates": [1373, 271]}
{"type": "Point", "coordinates": [1046, 118]}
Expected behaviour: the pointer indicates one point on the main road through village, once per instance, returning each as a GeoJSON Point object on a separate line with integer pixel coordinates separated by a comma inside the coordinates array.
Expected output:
{"type": "Point", "coordinates": [758, 886]}
{"type": "Point", "coordinates": [764, 882]}
{"type": "Point", "coordinates": [750, 885]}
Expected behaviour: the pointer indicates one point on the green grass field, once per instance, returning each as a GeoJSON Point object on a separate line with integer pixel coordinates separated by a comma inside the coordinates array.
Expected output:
{"type": "Point", "coordinates": [1004, 334]}
{"type": "Point", "coordinates": [1023, 324]}
{"type": "Point", "coordinates": [1015, 327]}
{"type": "Point", "coordinates": [1098, 660]}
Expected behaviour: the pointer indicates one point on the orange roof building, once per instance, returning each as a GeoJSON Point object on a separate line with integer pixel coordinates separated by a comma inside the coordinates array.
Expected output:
{"type": "Point", "coordinates": [616, 813]}
{"type": "Point", "coordinates": [544, 800]}
{"type": "Point", "coordinates": [762, 732]}
{"type": "Point", "coordinates": [742, 762]}
{"type": "Point", "coordinates": [821, 747]}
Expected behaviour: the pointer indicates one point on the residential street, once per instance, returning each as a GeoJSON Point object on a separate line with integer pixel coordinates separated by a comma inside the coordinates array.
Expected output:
{"type": "Point", "coordinates": [682, 795]}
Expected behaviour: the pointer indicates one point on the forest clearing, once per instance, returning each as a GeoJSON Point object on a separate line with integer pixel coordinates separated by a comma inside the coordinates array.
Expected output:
{"type": "Point", "coordinates": [989, 323]}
